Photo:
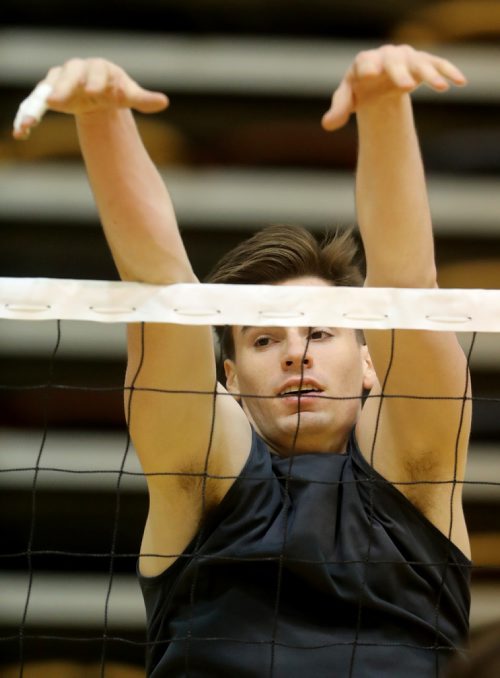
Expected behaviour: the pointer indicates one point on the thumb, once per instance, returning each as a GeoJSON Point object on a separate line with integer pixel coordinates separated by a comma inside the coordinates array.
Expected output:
{"type": "Point", "coordinates": [341, 108]}
{"type": "Point", "coordinates": [147, 101]}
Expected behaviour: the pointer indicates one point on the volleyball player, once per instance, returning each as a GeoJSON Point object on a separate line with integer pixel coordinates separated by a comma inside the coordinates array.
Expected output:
{"type": "Point", "coordinates": [328, 539]}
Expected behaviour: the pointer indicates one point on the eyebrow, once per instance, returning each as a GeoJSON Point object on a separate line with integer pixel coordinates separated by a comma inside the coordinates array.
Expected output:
{"type": "Point", "coordinates": [244, 329]}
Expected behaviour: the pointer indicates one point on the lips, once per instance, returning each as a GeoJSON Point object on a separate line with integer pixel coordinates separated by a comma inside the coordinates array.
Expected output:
{"type": "Point", "coordinates": [296, 387]}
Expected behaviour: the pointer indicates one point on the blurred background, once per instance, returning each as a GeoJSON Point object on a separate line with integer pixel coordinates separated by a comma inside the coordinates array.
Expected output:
{"type": "Point", "coordinates": [240, 146]}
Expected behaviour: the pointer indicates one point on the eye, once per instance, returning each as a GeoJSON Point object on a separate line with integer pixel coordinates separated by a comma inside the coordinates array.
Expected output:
{"type": "Point", "coordinates": [319, 333]}
{"type": "Point", "coordinates": [262, 341]}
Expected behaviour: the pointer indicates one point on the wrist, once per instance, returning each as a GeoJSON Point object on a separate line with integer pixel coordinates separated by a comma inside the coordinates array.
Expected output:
{"type": "Point", "coordinates": [103, 117]}
{"type": "Point", "coordinates": [390, 113]}
{"type": "Point", "coordinates": [388, 102]}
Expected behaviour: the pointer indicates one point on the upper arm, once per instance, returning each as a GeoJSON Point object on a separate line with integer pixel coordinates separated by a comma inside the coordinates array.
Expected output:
{"type": "Point", "coordinates": [415, 428]}
{"type": "Point", "coordinates": [182, 431]}
{"type": "Point", "coordinates": [416, 423]}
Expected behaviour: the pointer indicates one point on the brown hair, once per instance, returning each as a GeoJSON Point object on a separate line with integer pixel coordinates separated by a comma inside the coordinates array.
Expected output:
{"type": "Point", "coordinates": [281, 252]}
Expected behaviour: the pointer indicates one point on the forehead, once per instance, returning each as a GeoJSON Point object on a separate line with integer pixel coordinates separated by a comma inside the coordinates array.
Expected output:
{"type": "Point", "coordinates": [240, 330]}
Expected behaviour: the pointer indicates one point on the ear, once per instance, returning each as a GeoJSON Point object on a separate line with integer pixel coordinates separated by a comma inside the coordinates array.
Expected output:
{"type": "Point", "coordinates": [232, 384]}
{"type": "Point", "coordinates": [369, 375]}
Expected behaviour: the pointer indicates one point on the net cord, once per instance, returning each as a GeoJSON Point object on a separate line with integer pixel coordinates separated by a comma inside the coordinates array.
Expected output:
{"type": "Point", "coordinates": [463, 310]}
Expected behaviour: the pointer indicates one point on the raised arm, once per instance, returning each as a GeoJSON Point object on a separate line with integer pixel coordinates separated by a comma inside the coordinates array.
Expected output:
{"type": "Point", "coordinates": [171, 432]}
{"type": "Point", "coordinates": [417, 440]}
{"type": "Point", "coordinates": [133, 202]}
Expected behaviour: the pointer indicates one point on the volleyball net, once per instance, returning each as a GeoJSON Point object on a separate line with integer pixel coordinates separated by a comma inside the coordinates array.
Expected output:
{"type": "Point", "coordinates": [69, 474]}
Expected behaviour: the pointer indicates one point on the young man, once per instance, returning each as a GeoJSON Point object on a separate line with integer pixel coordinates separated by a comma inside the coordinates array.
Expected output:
{"type": "Point", "coordinates": [299, 533]}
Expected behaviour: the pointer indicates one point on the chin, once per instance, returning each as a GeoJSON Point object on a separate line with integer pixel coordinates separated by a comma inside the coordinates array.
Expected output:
{"type": "Point", "coordinates": [309, 423]}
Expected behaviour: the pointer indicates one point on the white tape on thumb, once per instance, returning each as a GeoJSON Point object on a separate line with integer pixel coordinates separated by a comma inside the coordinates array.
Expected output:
{"type": "Point", "coordinates": [33, 106]}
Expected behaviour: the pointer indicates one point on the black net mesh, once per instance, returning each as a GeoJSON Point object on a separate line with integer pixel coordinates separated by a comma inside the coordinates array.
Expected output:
{"type": "Point", "coordinates": [58, 539]}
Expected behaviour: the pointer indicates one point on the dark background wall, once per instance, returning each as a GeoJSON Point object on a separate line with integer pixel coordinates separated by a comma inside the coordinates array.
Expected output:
{"type": "Point", "coordinates": [240, 146]}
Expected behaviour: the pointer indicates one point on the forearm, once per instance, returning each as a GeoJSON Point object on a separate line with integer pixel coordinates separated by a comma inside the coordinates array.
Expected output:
{"type": "Point", "coordinates": [391, 196]}
{"type": "Point", "coordinates": [134, 205]}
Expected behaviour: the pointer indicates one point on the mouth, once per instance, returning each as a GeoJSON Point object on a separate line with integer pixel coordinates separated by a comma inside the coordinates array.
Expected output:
{"type": "Point", "coordinates": [296, 392]}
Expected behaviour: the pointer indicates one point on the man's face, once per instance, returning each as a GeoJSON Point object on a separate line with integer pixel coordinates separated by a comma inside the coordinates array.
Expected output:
{"type": "Point", "coordinates": [273, 361]}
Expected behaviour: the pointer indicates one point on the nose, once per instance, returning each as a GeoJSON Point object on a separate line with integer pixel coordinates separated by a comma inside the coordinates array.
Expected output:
{"type": "Point", "coordinates": [296, 353]}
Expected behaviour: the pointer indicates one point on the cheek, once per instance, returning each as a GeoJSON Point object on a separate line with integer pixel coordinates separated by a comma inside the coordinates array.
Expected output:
{"type": "Point", "coordinates": [253, 385]}
{"type": "Point", "coordinates": [255, 372]}
{"type": "Point", "coordinates": [346, 368]}
{"type": "Point", "coordinates": [256, 379]}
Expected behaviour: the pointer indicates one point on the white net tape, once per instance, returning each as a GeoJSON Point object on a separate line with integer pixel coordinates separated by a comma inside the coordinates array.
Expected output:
{"type": "Point", "coordinates": [462, 310]}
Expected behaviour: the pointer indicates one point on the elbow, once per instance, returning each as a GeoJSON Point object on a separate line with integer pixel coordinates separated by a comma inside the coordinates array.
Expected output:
{"type": "Point", "coordinates": [402, 276]}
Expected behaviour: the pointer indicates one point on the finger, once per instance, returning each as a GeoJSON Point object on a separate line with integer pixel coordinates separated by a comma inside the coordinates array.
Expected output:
{"type": "Point", "coordinates": [22, 129]}
{"type": "Point", "coordinates": [71, 79]}
{"type": "Point", "coordinates": [368, 64]}
{"type": "Point", "coordinates": [341, 108]}
{"type": "Point", "coordinates": [396, 65]}
{"type": "Point", "coordinates": [449, 70]}
{"type": "Point", "coordinates": [143, 100]}
{"type": "Point", "coordinates": [425, 72]}
{"type": "Point", "coordinates": [53, 75]}
{"type": "Point", "coordinates": [151, 102]}
{"type": "Point", "coordinates": [25, 120]}
{"type": "Point", "coordinates": [31, 110]}
{"type": "Point", "coordinates": [98, 76]}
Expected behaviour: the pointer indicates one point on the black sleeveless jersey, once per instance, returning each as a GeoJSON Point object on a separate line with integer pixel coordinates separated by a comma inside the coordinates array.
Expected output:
{"type": "Point", "coordinates": [311, 566]}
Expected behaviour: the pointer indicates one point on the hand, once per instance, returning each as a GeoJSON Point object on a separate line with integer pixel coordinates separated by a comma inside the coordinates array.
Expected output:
{"type": "Point", "coordinates": [387, 71]}
{"type": "Point", "coordinates": [84, 86]}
